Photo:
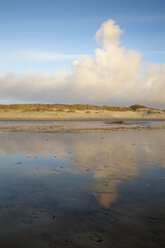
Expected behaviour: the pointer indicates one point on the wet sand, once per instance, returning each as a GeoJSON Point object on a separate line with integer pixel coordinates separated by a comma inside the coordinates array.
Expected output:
{"type": "Point", "coordinates": [93, 188]}
{"type": "Point", "coordinates": [78, 126]}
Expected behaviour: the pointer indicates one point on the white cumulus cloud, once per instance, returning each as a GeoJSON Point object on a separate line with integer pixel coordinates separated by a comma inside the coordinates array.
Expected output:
{"type": "Point", "coordinates": [114, 75]}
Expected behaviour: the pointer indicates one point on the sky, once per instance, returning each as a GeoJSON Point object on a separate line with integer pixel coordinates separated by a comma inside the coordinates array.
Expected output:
{"type": "Point", "coordinates": [74, 51]}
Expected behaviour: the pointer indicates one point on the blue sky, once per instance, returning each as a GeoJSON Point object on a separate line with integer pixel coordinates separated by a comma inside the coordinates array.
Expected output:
{"type": "Point", "coordinates": [67, 27]}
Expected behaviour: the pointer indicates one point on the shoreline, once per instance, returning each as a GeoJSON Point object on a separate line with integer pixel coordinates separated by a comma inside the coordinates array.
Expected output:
{"type": "Point", "coordinates": [78, 126]}
{"type": "Point", "coordinates": [85, 119]}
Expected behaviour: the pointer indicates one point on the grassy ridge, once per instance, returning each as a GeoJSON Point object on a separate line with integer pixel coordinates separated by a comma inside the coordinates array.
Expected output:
{"type": "Point", "coordinates": [69, 107]}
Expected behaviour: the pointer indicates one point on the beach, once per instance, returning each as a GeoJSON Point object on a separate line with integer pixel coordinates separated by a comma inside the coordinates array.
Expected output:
{"type": "Point", "coordinates": [82, 124]}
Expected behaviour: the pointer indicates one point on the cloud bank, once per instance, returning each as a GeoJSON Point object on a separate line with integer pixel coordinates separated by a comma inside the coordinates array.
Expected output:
{"type": "Point", "coordinates": [114, 75]}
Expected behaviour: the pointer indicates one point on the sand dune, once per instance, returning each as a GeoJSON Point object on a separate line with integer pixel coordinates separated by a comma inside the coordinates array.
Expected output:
{"type": "Point", "coordinates": [77, 112]}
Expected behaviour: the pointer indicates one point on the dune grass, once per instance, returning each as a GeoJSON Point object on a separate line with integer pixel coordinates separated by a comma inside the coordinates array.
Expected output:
{"type": "Point", "coordinates": [61, 107]}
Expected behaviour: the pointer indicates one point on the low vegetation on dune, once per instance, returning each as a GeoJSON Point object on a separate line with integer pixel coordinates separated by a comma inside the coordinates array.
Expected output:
{"type": "Point", "coordinates": [71, 108]}
{"type": "Point", "coordinates": [68, 107]}
{"type": "Point", "coordinates": [137, 107]}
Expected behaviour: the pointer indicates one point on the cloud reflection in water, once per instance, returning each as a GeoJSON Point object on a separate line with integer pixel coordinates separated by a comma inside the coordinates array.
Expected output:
{"type": "Point", "coordinates": [110, 157]}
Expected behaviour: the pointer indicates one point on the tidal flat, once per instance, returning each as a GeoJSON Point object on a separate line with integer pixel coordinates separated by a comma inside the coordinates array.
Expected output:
{"type": "Point", "coordinates": [82, 184]}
